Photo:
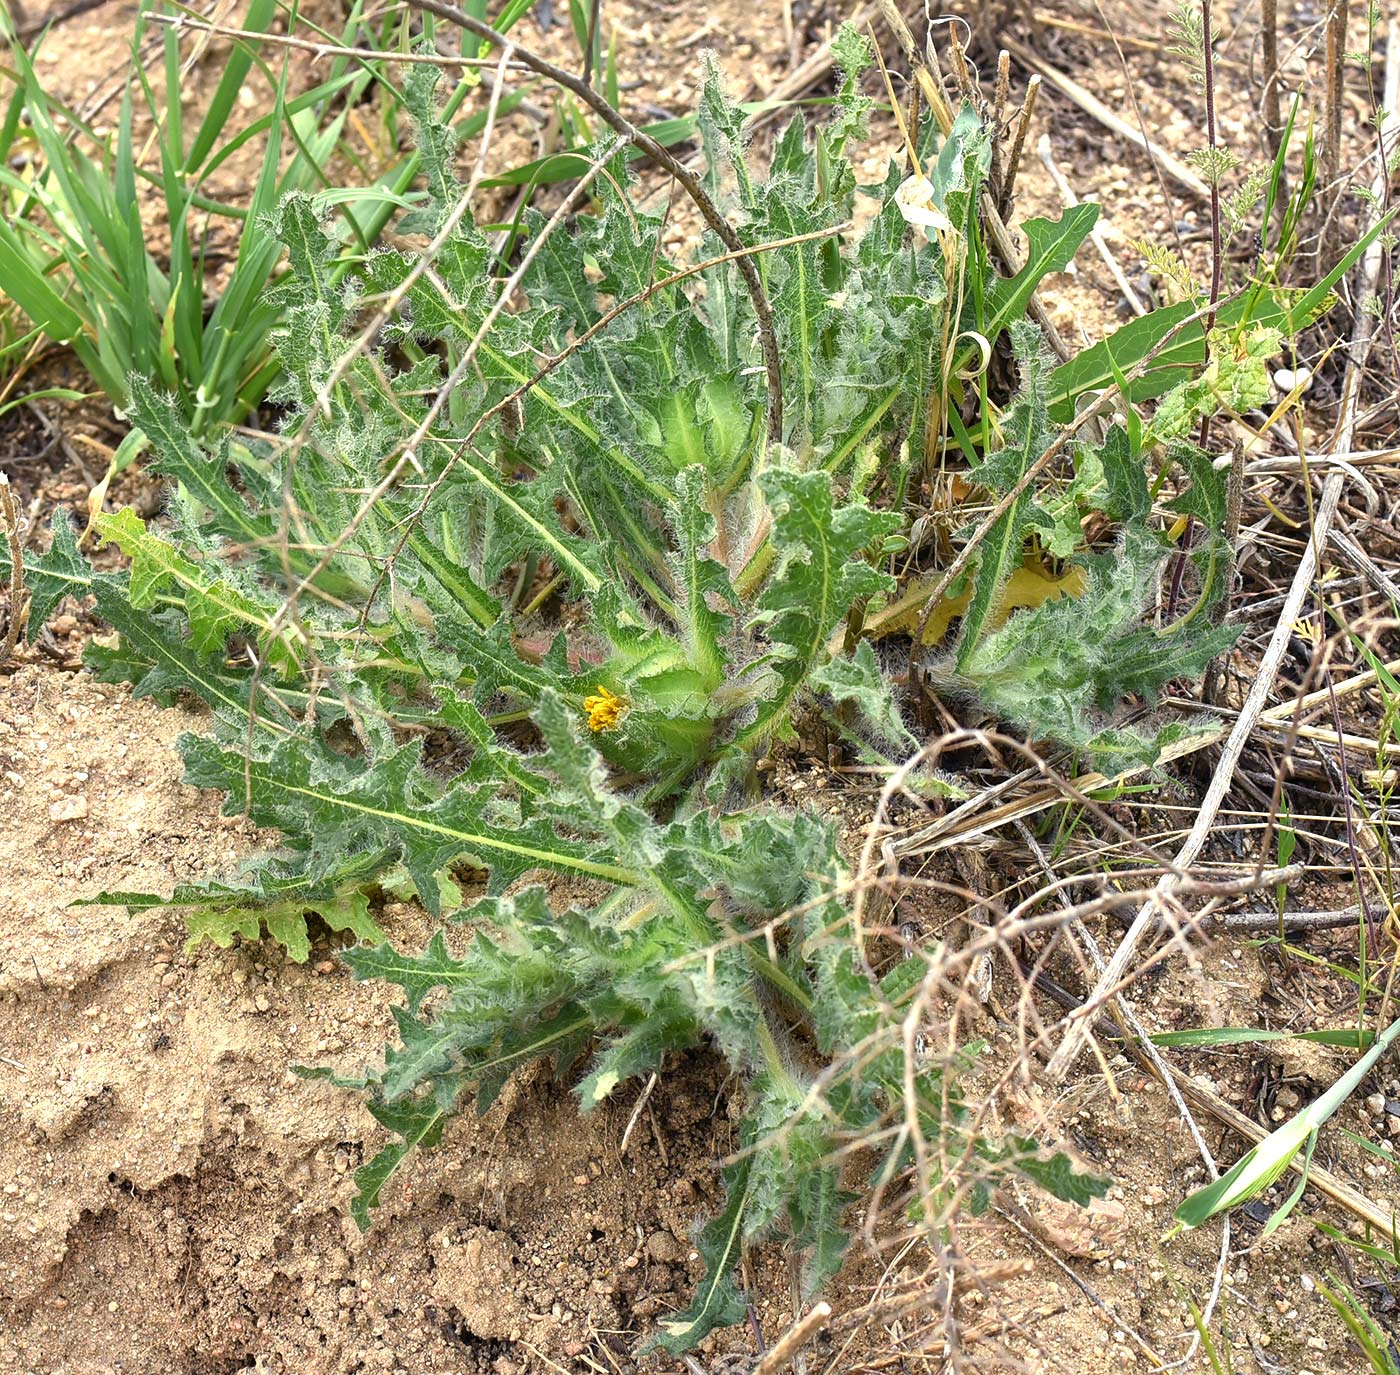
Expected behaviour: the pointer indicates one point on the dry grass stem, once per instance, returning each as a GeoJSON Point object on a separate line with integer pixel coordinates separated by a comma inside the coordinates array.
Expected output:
{"type": "Point", "coordinates": [9, 517]}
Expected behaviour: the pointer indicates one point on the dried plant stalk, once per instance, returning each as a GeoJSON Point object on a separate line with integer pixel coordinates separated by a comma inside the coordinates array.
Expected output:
{"type": "Point", "coordinates": [1013, 162]}
{"type": "Point", "coordinates": [1273, 117]}
{"type": "Point", "coordinates": [9, 515]}
{"type": "Point", "coordinates": [1003, 92]}
{"type": "Point", "coordinates": [1332, 114]}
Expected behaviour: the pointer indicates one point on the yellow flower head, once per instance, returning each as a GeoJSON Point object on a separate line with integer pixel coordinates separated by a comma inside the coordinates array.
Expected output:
{"type": "Point", "coordinates": [604, 711]}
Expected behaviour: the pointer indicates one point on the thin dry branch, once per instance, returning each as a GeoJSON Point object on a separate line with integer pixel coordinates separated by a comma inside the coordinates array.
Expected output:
{"type": "Point", "coordinates": [9, 518]}
{"type": "Point", "coordinates": [1273, 115]}
{"type": "Point", "coordinates": [183, 23]}
{"type": "Point", "coordinates": [1013, 162]}
{"type": "Point", "coordinates": [780, 1354]}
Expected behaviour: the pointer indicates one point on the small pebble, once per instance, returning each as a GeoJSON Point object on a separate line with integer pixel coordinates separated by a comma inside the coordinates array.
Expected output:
{"type": "Point", "coordinates": [68, 809]}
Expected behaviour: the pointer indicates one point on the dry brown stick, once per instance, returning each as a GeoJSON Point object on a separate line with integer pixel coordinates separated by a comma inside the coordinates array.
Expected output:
{"type": "Point", "coordinates": [182, 23]}
{"type": "Point", "coordinates": [1013, 163]}
{"type": "Point", "coordinates": [1178, 171]}
{"type": "Point", "coordinates": [689, 183]}
{"type": "Point", "coordinates": [1291, 463]}
{"type": "Point", "coordinates": [1273, 115]}
{"type": "Point", "coordinates": [1335, 89]}
{"type": "Point", "coordinates": [1095, 234]}
{"type": "Point", "coordinates": [780, 1354]}
{"type": "Point", "coordinates": [1239, 922]}
{"type": "Point", "coordinates": [1003, 94]}
{"type": "Point", "coordinates": [9, 516]}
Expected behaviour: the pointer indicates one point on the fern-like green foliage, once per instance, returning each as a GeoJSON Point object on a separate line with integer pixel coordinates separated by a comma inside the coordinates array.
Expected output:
{"type": "Point", "coordinates": [559, 639]}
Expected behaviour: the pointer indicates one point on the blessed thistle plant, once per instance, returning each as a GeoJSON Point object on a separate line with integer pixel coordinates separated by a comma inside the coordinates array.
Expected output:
{"type": "Point", "coordinates": [601, 596]}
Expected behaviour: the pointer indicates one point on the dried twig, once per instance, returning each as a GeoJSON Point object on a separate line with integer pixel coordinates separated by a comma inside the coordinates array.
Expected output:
{"type": "Point", "coordinates": [1335, 90]}
{"type": "Point", "coordinates": [1237, 923]}
{"type": "Point", "coordinates": [1013, 162]}
{"type": "Point", "coordinates": [10, 518]}
{"type": "Point", "coordinates": [780, 1354]}
{"type": "Point", "coordinates": [642, 1099]}
{"type": "Point", "coordinates": [1003, 94]}
{"type": "Point", "coordinates": [1273, 115]}
{"type": "Point", "coordinates": [183, 23]}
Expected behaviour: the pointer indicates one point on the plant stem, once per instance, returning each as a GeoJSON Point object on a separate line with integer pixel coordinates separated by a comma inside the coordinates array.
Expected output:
{"type": "Point", "coordinates": [1178, 571]}
{"type": "Point", "coordinates": [1332, 115]}
{"type": "Point", "coordinates": [1216, 246]}
{"type": "Point", "coordinates": [9, 518]}
{"type": "Point", "coordinates": [1273, 117]}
